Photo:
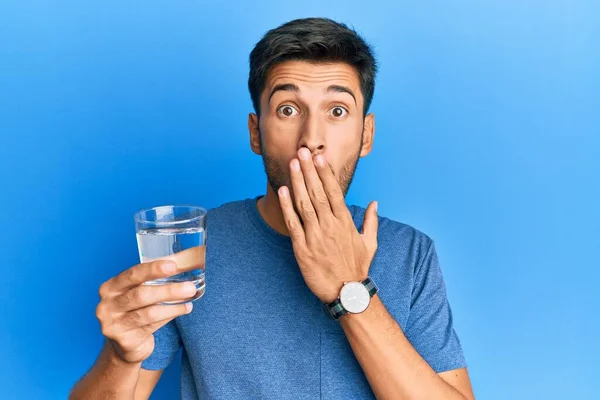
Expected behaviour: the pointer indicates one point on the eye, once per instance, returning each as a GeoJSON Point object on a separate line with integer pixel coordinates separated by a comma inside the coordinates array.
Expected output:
{"type": "Point", "coordinates": [338, 112]}
{"type": "Point", "coordinates": [287, 111]}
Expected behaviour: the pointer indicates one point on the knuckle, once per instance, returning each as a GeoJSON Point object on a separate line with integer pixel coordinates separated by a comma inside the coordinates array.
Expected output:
{"type": "Point", "coordinates": [101, 311]}
{"type": "Point", "coordinates": [109, 330]}
{"type": "Point", "coordinates": [304, 204]}
{"type": "Point", "coordinates": [336, 197]}
{"type": "Point", "coordinates": [310, 214]}
{"type": "Point", "coordinates": [307, 208]}
{"type": "Point", "coordinates": [139, 295]}
{"type": "Point", "coordinates": [106, 331]}
{"type": "Point", "coordinates": [129, 297]}
{"type": "Point", "coordinates": [123, 299]}
{"type": "Point", "coordinates": [173, 290]}
{"type": "Point", "coordinates": [103, 290]}
{"type": "Point", "coordinates": [107, 326]}
{"type": "Point", "coordinates": [315, 193]}
{"type": "Point", "coordinates": [292, 223]}
{"type": "Point", "coordinates": [133, 318]}
{"type": "Point", "coordinates": [322, 200]}
{"type": "Point", "coordinates": [151, 315]}
{"type": "Point", "coordinates": [155, 267]}
{"type": "Point", "coordinates": [130, 274]}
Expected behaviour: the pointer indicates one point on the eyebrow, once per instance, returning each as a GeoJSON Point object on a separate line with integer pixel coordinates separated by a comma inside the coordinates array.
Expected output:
{"type": "Point", "coordinates": [290, 87]}
{"type": "Point", "coordinates": [341, 89]}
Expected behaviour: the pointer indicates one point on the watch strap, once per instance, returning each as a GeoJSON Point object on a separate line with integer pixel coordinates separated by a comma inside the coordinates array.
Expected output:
{"type": "Point", "coordinates": [371, 286]}
{"type": "Point", "coordinates": [335, 309]}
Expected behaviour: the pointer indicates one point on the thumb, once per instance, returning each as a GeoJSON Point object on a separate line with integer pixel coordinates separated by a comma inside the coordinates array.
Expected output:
{"type": "Point", "coordinates": [370, 225]}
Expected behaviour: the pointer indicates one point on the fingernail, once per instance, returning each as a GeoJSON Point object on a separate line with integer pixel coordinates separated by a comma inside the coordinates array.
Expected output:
{"type": "Point", "coordinates": [295, 165]}
{"type": "Point", "coordinates": [190, 288]}
{"type": "Point", "coordinates": [169, 267]}
{"type": "Point", "coordinates": [320, 160]}
{"type": "Point", "coordinates": [189, 306]}
{"type": "Point", "coordinates": [304, 153]}
{"type": "Point", "coordinates": [376, 205]}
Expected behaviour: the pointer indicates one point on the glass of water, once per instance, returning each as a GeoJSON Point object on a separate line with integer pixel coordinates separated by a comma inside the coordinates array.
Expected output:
{"type": "Point", "coordinates": [164, 231]}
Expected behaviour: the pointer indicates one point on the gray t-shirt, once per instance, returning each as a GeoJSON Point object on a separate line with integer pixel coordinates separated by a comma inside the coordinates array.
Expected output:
{"type": "Point", "coordinates": [259, 332]}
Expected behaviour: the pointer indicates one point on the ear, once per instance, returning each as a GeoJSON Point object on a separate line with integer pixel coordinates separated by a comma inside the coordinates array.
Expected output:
{"type": "Point", "coordinates": [368, 135]}
{"type": "Point", "coordinates": [254, 133]}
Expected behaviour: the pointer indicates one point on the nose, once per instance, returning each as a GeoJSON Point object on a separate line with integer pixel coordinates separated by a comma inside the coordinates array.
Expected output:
{"type": "Point", "coordinates": [313, 136]}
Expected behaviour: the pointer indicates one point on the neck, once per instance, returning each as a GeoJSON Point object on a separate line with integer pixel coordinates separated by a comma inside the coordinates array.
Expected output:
{"type": "Point", "coordinates": [270, 211]}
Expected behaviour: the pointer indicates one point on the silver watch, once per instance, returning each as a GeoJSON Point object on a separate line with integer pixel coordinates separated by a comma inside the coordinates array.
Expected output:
{"type": "Point", "coordinates": [354, 298]}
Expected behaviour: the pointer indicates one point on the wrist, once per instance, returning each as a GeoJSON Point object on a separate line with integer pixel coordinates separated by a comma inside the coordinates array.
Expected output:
{"type": "Point", "coordinates": [354, 298]}
{"type": "Point", "coordinates": [330, 297]}
{"type": "Point", "coordinates": [111, 357]}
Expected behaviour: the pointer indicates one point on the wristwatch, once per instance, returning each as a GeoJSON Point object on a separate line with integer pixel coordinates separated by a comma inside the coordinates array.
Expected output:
{"type": "Point", "coordinates": [354, 298]}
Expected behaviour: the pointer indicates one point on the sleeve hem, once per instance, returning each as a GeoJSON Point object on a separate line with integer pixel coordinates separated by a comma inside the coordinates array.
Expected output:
{"type": "Point", "coordinates": [158, 363]}
{"type": "Point", "coordinates": [449, 365]}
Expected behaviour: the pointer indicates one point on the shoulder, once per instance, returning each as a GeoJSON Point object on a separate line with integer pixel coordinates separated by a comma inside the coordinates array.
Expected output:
{"type": "Point", "coordinates": [230, 209]}
{"type": "Point", "coordinates": [225, 218]}
{"type": "Point", "coordinates": [228, 206]}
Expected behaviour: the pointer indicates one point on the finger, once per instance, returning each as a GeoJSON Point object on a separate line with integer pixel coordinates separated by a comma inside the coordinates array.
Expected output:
{"type": "Point", "coordinates": [139, 274]}
{"type": "Point", "coordinates": [301, 198]}
{"type": "Point", "coordinates": [154, 314]}
{"type": "Point", "coordinates": [156, 326]}
{"type": "Point", "coordinates": [370, 226]}
{"type": "Point", "coordinates": [332, 187]}
{"type": "Point", "coordinates": [189, 259]}
{"type": "Point", "coordinates": [290, 217]}
{"type": "Point", "coordinates": [151, 328]}
{"type": "Point", "coordinates": [145, 295]}
{"type": "Point", "coordinates": [183, 261]}
{"type": "Point", "coordinates": [314, 186]}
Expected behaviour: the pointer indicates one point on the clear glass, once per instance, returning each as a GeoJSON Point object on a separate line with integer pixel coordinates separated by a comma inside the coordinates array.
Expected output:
{"type": "Point", "coordinates": [166, 230]}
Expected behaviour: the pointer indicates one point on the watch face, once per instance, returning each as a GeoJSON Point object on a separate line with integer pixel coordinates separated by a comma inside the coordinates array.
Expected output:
{"type": "Point", "coordinates": [355, 297]}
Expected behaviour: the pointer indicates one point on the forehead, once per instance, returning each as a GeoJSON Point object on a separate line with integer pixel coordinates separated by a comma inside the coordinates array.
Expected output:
{"type": "Point", "coordinates": [313, 75]}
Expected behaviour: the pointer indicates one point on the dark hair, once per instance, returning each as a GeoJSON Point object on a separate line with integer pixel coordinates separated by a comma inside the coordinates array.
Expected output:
{"type": "Point", "coordinates": [315, 40]}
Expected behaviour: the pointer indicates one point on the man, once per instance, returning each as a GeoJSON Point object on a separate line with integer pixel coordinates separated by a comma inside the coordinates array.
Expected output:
{"type": "Point", "coordinates": [302, 302]}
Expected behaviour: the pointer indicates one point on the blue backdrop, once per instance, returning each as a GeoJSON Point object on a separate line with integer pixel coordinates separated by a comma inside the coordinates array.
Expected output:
{"type": "Point", "coordinates": [488, 128]}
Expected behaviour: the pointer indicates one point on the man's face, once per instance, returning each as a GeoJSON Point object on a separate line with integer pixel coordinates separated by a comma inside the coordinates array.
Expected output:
{"type": "Point", "coordinates": [318, 106]}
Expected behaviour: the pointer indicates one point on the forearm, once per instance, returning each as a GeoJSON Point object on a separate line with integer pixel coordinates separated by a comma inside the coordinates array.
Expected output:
{"type": "Point", "coordinates": [109, 378]}
{"type": "Point", "coordinates": [394, 369]}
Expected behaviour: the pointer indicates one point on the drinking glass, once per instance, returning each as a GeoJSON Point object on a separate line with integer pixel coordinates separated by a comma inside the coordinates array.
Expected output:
{"type": "Point", "coordinates": [167, 230]}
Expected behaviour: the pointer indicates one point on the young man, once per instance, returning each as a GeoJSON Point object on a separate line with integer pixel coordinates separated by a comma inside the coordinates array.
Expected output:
{"type": "Point", "coordinates": [307, 297]}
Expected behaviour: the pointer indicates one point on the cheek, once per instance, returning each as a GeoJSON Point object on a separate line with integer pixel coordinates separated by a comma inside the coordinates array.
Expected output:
{"type": "Point", "coordinates": [343, 143]}
{"type": "Point", "coordinates": [279, 149]}
{"type": "Point", "coordinates": [347, 131]}
{"type": "Point", "coordinates": [280, 135]}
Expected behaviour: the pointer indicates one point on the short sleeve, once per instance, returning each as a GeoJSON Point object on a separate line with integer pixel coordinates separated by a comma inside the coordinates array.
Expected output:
{"type": "Point", "coordinates": [167, 343]}
{"type": "Point", "coordinates": [429, 327]}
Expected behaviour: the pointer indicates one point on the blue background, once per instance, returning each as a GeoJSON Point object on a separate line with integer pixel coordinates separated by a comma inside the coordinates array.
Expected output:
{"type": "Point", "coordinates": [488, 125]}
